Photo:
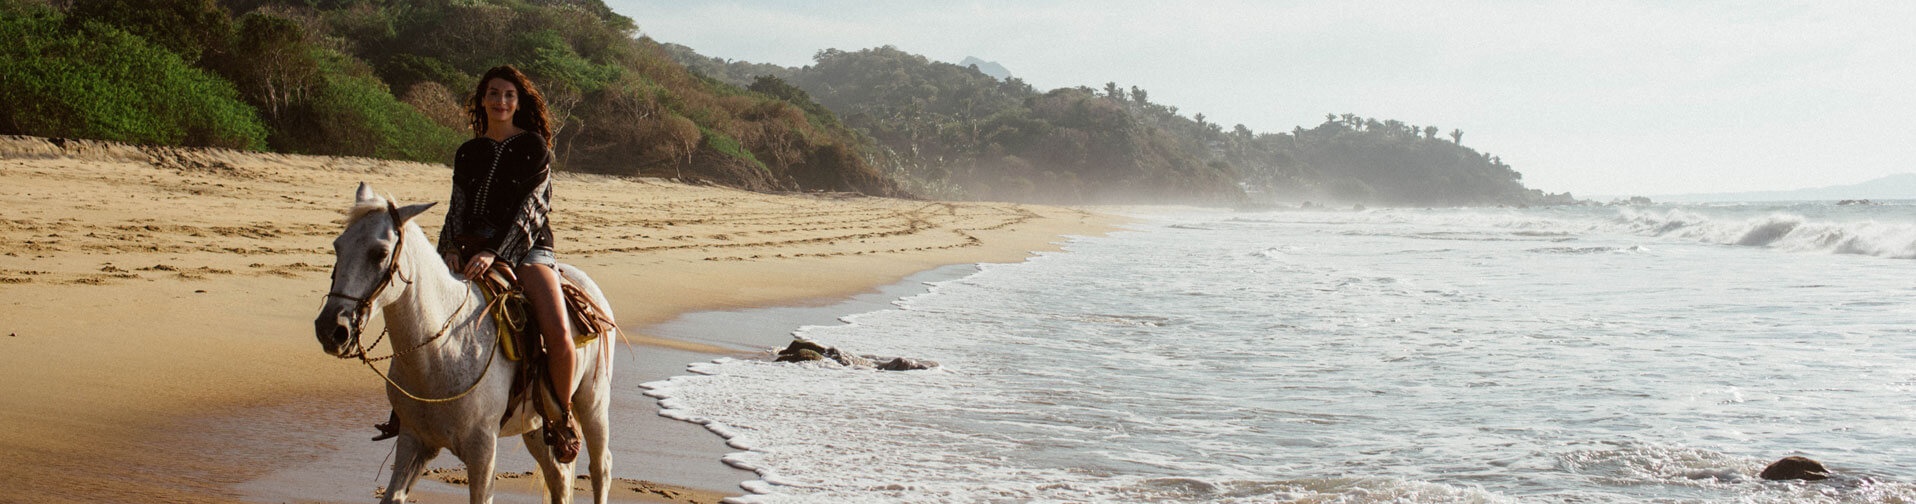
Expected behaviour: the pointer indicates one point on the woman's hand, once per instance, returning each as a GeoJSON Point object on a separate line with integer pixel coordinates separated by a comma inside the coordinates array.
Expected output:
{"type": "Point", "coordinates": [477, 267]}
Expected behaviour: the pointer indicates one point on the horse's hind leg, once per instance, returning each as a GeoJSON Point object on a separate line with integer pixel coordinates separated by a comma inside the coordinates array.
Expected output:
{"type": "Point", "coordinates": [558, 476]}
{"type": "Point", "coordinates": [592, 401]}
{"type": "Point", "coordinates": [594, 419]}
{"type": "Point", "coordinates": [409, 460]}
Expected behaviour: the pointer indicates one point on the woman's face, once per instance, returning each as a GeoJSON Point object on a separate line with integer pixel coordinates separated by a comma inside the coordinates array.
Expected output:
{"type": "Point", "coordinates": [502, 100]}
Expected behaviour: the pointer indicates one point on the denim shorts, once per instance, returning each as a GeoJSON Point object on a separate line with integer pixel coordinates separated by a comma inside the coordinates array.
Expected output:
{"type": "Point", "coordinates": [543, 256]}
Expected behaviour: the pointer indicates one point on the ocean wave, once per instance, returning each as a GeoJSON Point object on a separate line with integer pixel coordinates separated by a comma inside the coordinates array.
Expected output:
{"type": "Point", "coordinates": [1636, 464]}
{"type": "Point", "coordinates": [1589, 250]}
{"type": "Point", "coordinates": [1341, 489]}
{"type": "Point", "coordinates": [1277, 252]}
{"type": "Point", "coordinates": [1783, 231]}
{"type": "Point", "coordinates": [1881, 231]}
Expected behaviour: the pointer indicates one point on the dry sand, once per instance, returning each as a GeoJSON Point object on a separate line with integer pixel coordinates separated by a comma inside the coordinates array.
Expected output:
{"type": "Point", "coordinates": [157, 306]}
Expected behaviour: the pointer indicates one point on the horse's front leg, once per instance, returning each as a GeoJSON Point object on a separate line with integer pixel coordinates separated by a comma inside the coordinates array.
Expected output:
{"type": "Point", "coordinates": [409, 460]}
{"type": "Point", "coordinates": [480, 457]}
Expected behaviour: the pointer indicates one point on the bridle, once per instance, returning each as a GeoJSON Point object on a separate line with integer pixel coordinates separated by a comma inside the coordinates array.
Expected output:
{"type": "Point", "coordinates": [362, 311]}
{"type": "Point", "coordinates": [363, 305]}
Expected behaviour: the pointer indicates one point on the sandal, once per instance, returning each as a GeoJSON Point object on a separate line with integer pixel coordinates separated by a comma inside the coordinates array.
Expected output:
{"type": "Point", "coordinates": [563, 437]}
{"type": "Point", "coordinates": [389, 429]}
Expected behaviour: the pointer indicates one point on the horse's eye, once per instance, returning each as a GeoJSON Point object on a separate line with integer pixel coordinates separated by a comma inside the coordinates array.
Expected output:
{"type": "Point", "coordinates": [375, 256]}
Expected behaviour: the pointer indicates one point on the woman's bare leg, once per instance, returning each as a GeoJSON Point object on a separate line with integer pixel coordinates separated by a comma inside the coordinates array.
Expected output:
{"type": "Point", "coordinates": [541, 284]}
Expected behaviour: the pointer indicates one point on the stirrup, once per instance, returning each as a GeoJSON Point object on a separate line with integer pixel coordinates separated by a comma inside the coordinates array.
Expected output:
{"type": "Point", "coordinates": [389, 429]}
{"type": "Point", "coordinates": [563, 439]}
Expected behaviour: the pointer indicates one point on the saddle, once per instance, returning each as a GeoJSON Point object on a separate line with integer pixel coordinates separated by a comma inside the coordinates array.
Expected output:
{"type": "Point", "coordinates": [520, 340]}
{"type": "Point", "coordinates": [514, 321]}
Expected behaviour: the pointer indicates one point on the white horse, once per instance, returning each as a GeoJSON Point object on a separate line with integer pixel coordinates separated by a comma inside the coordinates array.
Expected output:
{"type": "Point", "coordinates": [447, 380]}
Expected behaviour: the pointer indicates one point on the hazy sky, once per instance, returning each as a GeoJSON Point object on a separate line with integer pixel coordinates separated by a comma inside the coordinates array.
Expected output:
{"type": "Point", "coordinates": [1611, 98]}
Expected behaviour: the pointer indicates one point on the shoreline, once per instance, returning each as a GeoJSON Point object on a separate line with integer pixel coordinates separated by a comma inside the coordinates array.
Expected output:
{"type": "Point", "coordinates": [158, 302]}
{"type": "Point", "coordinates": [750, 332]}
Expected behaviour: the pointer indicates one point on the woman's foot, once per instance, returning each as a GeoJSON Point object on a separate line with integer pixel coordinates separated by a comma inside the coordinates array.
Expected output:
{"type": "Point", "coordinates": [389, 429]}
{"type": "Point", "coordinates": [563, 437]}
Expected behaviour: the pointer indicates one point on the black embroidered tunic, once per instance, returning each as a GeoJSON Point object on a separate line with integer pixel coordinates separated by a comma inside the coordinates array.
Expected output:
{"type": "Point", "coordinates": [501, 192]}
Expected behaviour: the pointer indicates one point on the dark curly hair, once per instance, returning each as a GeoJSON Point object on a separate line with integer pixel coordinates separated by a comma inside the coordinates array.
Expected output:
{"type": "Point", "coordinates": [532, 105]}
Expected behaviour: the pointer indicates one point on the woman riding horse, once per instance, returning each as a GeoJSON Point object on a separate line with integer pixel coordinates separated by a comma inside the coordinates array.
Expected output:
{"type": "Point", "coordinates": [501, 193]}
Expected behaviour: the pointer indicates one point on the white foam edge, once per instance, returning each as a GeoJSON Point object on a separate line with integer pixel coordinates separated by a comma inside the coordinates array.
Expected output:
{"type": "Point", "coordinates": [671, 407]}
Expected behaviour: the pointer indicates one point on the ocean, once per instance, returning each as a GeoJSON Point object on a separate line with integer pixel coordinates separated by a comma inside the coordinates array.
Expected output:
{"type": "Point", "coordinates": [1577, 354]}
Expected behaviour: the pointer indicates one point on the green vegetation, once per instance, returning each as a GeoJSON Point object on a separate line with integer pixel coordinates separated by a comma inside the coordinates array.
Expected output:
{"type": "Point", "coordinates": [951, 131]}
{"type": "Point", "coordinates": [68, 77]}
{"type": "Point", "coordinates": [350, 112]}
{"type": "Point", "coordinates": [1392, 162]}
{"type": "Point", "coordinates": [730, 147]}
{"type": "Point", "coordinates": [389, 78]}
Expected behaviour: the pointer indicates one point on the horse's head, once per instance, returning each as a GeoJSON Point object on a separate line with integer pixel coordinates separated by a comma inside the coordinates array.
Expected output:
{"type": "Point", "coordinates": [366, 260]}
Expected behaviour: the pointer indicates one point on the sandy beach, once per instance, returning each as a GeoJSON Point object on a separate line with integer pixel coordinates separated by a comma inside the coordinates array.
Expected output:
{"type": "Point", "coordinates": [157, 307]}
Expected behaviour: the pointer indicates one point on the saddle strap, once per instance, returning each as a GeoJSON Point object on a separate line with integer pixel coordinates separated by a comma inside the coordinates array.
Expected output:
{"type": "Point", "coordinates": [587, 314]}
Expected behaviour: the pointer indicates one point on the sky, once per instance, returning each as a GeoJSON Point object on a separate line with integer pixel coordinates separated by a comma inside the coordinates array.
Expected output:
{"type": "Point", "coordinates": [1610, 98]}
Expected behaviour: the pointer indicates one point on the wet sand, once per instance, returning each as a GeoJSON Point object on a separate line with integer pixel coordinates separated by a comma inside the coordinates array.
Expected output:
{"type": "Point", "coordinates": [157, 308]}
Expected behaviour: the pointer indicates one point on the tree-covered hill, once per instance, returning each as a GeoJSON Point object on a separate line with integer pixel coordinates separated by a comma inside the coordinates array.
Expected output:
{"type": "Point", "coordinates": [955, 132]}
{"type": "Point", "coordinates": [386, 78]}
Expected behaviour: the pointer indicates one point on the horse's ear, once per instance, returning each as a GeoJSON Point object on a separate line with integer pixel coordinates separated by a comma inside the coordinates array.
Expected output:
{"type": "Point", "coordinates": [409, 211]}
{"type": "Point", "coordinates": [365, 194]}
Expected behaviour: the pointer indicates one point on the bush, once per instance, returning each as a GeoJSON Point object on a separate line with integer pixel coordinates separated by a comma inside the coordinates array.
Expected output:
{"type": "Point", "coordinates": [729, 147]}
{"type": "Point", "coordinates": [403, 71]}
{"type": "Point", "coordinates": [554, 60]}
{"type": "Point", "coordinates": [352, 113]}
{"type": "Point", "coordinates": [439, 104]}
{"type": "Point", "coordinates": [189, 28]}
{"type": "Point", "coordinates": [96, 81]}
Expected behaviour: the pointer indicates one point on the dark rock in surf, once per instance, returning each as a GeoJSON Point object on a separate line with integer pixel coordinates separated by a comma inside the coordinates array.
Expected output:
{"type": "Point", "coordinates": [798, 345]}
{"type": "Point", "coordinates": [1795, 468]}
{"type": "Point", "coordinates": [801, 355]}
{"type": "Point", "coordinates": [906, 364]}
{"type": "Point", "coordinates": [802, 350]}
{"type": "Point", "coordinates": [854, 361]}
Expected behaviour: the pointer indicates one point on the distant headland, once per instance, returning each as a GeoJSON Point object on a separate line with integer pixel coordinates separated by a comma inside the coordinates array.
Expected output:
{"type": "Point", "coordinates": [1901, 186]}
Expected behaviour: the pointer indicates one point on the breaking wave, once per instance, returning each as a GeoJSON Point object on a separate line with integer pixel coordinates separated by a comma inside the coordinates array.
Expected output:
{"type": "Point", "coordinates": [1882, 231]}
{"type": "Point", "coordinates": [1784, 231]}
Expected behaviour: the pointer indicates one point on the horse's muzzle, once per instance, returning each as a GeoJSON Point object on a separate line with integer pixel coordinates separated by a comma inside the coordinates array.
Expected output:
{"type": "Point", "coordinates": [334, 330]}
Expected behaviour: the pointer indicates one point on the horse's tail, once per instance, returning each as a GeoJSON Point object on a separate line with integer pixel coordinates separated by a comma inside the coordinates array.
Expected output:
{"type": "Point", "coordinates": [606, 356]}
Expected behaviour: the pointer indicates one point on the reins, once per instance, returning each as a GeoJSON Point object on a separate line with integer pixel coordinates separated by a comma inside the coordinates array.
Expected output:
{"type": "Point", "coordinates": [362, 311]}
